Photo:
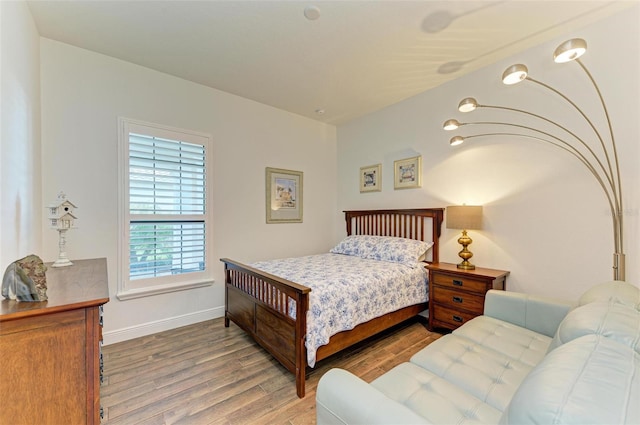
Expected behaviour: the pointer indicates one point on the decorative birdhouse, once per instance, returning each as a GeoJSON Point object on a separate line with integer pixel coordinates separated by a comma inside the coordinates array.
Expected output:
{"type": "Point", "coordinates": [61, 213]}
{"type": "Point", "coordinates": [61, 219]}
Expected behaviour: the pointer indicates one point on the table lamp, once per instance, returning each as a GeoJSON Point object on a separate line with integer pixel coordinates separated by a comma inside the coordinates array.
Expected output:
{"type": "Point", "coordinates": [465, 217]}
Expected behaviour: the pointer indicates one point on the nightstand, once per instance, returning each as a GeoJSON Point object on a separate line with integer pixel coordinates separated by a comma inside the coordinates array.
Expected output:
{"type": "Point", "coordinates": [456, 295]}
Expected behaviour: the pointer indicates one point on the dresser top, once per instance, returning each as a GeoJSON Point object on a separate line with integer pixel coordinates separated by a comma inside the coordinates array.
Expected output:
{"type": "Point", "coordinates": [84, 284]}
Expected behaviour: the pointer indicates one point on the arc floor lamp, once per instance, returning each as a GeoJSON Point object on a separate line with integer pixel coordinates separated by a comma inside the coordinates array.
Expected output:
{"type": "Point", "coordinates": [601, 160]}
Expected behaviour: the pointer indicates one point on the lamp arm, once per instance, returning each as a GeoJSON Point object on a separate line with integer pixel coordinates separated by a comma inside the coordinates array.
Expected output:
{"type": "Point", "coordinates": [613, 143]}
{"type": "Point", "coordinates": [567, 147]}
{"type": "Point", "coordinates": [580, 157]}
{"type": "Point", "coordinates": [608, 176]}
{"type": "Point", "coordinates": [593, 127]}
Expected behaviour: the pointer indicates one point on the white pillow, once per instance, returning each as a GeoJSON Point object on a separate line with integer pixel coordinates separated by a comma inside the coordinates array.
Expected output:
{"type": "Point", "coordinates": [613, 320]}
{"type": "Point", "coordinates": [384, 248]}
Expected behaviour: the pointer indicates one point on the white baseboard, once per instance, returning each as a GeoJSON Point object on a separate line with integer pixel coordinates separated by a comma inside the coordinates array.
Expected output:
{"type": "Point", "coordinates": [149, 328]}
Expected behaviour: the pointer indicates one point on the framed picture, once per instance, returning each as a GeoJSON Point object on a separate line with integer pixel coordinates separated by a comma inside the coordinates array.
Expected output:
{"type": "Point", "coordinates": [371, 178]}
{"type": "Point", "coordinates": [407, 173]}
{"type": "Point", "coordinates": [284, 196]}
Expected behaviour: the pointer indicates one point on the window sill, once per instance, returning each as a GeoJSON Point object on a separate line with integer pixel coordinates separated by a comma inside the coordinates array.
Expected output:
{"type": "Point", "coordinates": [161, 289]}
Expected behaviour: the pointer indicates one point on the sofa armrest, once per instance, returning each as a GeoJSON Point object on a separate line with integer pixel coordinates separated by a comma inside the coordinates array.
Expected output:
{"type": "Point", "coordinates": [343, 398]}
{"type": "Point", "coordinates": [539, 314]}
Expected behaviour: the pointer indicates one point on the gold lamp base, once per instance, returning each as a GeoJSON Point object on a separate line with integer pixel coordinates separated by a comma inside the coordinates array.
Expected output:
{"type": "Point", "coordinates": [465, 254]}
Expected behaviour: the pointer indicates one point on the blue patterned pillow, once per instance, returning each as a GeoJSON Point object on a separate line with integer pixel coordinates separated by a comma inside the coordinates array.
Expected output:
{"type": "Point", "coordinates": [384, 248]}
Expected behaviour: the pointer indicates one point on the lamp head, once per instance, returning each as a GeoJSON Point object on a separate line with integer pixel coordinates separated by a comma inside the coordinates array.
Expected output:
{"type": "Point", "coordinates": [514, 74]}
{"type": "Point", "coordinates": [467, 104]}
{"type": "Point", "coordinates": [451, 124]}
{"type": "Point", "coordinates": [456, 140]}
{"type": "Point", "coordinates": [570, 50]}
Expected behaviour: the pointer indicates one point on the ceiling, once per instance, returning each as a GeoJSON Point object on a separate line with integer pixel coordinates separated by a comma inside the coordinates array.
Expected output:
{"type": "Point", "coordinates": [347, 59]}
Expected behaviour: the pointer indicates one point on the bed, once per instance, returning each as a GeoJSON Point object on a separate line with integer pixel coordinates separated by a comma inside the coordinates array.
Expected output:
{"type": "Point", "coordinates": [273, 310]}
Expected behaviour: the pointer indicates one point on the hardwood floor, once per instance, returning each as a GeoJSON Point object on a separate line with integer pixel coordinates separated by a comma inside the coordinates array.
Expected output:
{"type": "Point", "coordinates": [208, 374]}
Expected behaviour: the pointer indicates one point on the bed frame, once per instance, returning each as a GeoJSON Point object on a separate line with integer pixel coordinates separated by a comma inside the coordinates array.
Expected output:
{"type": "Point", "coordinates": [258, 302]}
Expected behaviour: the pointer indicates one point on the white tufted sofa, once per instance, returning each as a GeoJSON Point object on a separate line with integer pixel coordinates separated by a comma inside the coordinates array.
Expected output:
{"type": "Point", "coordinates": [526, 360]}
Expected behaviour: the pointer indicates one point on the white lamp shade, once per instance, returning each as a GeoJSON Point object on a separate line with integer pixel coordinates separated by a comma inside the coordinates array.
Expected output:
{"type": "Point", "coordinates": [456, 140]}
{"type": "Point", "coordinates": [451, 125]}
{"type": "Point", "coordinates": [467, 104]}
{"type": "Point", "coordinates": [570, 50]}
{"type": "Point", "coordinates": [514, 74]}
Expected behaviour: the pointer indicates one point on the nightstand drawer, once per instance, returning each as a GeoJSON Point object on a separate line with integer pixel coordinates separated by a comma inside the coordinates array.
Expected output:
{"type": "Point", "coordinates": [457, 295]}
{"type": "Point", "coordinates": [458, 299]}
{"type": "Point", "coordinates": [460, 283]}
{"type": "Point", "coordinates": [451, 317]}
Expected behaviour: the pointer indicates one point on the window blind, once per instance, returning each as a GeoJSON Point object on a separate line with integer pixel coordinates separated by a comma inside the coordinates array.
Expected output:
{"type": "Point", "coordinates": [166, 207]}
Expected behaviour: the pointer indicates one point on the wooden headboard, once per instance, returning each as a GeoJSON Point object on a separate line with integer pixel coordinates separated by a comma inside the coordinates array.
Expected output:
{"type": "Point", "coordinates": [424, 224]}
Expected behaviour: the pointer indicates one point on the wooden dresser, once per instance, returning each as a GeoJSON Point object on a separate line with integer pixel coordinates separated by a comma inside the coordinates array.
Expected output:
{"type": "Point", "coordinates": [456, 295]}
{"type": "Point", "coordinates": [50, 350]}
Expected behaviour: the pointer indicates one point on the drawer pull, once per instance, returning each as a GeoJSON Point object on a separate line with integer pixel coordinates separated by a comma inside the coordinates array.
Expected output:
{"type": "Point", "coordinates": [457, 319]}
{"type": "Point", "coordinates": [457, 282]}
{"type": "Point", "coordinates": [457, 299]}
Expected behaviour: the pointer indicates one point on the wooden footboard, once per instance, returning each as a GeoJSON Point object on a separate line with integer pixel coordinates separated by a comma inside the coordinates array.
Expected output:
{"type": "Point", "coordinates": [259, 303]}
{"type": "Point", "coordinates": [345, 339]}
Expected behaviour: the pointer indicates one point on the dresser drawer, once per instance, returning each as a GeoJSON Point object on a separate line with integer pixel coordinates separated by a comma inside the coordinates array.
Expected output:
{"type": "Point", "coordinates": [458, 299]}
{"type": "Point", "coordinates": [451, 317]}
{"type": "Point", "coordinates": [460, 283]}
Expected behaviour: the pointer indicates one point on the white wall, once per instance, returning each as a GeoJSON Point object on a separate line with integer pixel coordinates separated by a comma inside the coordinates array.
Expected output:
{"type": "Point", "coordinates": [20, 204]}
{"type": "Point", "coordinates": [546, 218]}
{"type": "Point", "coordinates": [83, 93]}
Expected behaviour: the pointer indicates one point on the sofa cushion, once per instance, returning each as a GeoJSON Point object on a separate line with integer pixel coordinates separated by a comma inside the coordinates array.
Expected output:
{"type": "Point", "coordinates": [485, 373]}
{"type": "Point", "coordinates": [616, 291]}
{"type": "Point", "coordinates": [518, 343]}
{"type": "Point", "coordinates": [616, 321]}
{"type": "Point", "coordinates": [537, 313]}
{"type": "Point", "coordinates": [590, 380]}
{"type": "Point", "coordinates": [343, 398]}
{"type": "Point", "coordinates": [433, 398]}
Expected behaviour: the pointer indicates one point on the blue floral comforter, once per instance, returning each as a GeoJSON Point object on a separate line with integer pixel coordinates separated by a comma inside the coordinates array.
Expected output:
{"type": "Point", "coordinates": [347, 290]}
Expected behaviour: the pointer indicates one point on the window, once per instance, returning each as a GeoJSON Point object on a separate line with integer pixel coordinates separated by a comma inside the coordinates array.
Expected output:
{"type": "Point", "coordinates": [164, 209]}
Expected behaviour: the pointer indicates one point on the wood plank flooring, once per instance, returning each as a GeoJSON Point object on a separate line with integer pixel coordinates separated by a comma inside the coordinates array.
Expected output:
{"type": "Point", "coordinates": [208, 374]}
